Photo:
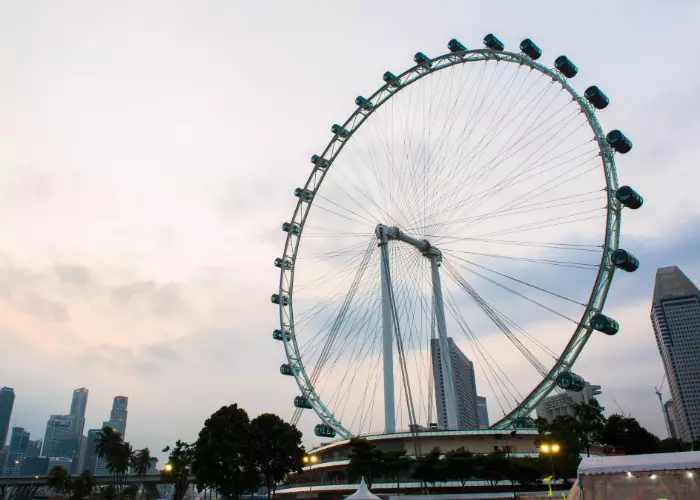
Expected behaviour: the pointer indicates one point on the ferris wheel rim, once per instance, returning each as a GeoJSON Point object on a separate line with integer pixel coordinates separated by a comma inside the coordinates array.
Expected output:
{"type": "Point", "coordinates": [385, 93]}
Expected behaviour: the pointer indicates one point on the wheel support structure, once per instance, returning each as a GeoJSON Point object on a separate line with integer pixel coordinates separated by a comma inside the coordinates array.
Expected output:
{"type": "Point", "coordinates": [384, 234]}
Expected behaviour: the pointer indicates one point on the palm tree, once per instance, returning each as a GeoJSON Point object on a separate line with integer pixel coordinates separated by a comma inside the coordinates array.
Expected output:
{"type": "Point", "coordinates": [83, 485]}
{"type": "Point", "coordinates": [58, 480]}
{"type": "Point", "coordinates": [118, 463]}
{"type": "Point", "coordinates": [108, 441]}
{"type": "Point", "coordinates": [141, 461]}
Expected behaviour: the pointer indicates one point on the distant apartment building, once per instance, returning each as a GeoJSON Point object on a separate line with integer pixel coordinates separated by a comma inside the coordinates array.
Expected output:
{"type": "Point", "coordinates": [675, 317]}
{"type": "Point", "coordinates": [464, 382]}
{"type": "Point", "coordinates": [58, 428]}
{"type": "Point", "coordinates": [563, 404]}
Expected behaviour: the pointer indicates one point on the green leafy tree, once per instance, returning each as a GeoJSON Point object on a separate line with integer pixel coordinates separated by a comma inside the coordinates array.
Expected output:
{"type": "Point", "coordinates": [542, 425]}
{"type": "Point", "coordinates": [83, 485]}
{"type": "Point", "coordinates": [460, 465]}
{"type": "Point", "coordinates": [493, 467]}
{"type": "Point", "coordinates": [130, 492]}
{"type": "Point", "coordinates": [589, 424]}
{"type": "Point", "coordinates": [276, 449]}
{"type": "Point", "coordinates": [109, 492]}
{"type": "Point", "coordinates": [626, 431]}
{"type": "Point", "coordinates": [141, 461]}
{"type": "Point", "coordinates": [58, 480]}
{"type": "Point", "coordinates": [223, 453]}
{"type": "Point", "coordinates": [431, 468]}
{"type": "Point", "coordinates": [562, 431]}
{"type": "Point", "coordinates": [180, 461]}
{"type": "Point", "coordinates": [366, 460]}
{"type": "Point", "coordinates": [118, 462]}
{"type": "Point", "coordinates": [107, 443]}
{"type": "Point", "coordinates": [526, 471]}
{"type": "Point", "coordinates": [395, 462]}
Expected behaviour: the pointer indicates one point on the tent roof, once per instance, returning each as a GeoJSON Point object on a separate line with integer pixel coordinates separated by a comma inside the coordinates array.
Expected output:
{"type": "Point", "coordinates": [363, 493]}
{"type": "Point", "coordinates": [638, 463]}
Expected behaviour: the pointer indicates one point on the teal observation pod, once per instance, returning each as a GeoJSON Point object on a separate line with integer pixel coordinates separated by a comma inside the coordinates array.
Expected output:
{"type": "Point", "coordinates": [596, 97]}
{"type": "Point", "coordinates": [391, 79]}
{"type": "Point", "coordinates": [276, 299]}
{"type": "Point", "coordinates": [302, 402]}
{"type": "Point", "coordinates": [340, 131]}
{"type": "Point", "coordinates": [304, 194]}
{"type": "Point", "coordinates": [363, 103]}
{"type": "Point", "coordinates": [605, 324]}
{"type": "Point", "coordinates": [570, 382]}
{"type": "Point", "coordinates": [321, 163]}
{"type": "Point", "coordinates": [530, 49]}
{"type": "Point", "coordinates": [279, 335]}
{"type": "Point", "coordinates": [422, 60]}
{"type": "Point", "coordinates": [624, 260]}
{"type": "Point", "coordinates": [455, 46]}
{"type": "Point", "coordinates": [619, 141]}
{"type": "Point", "coordinates": [285, 369]}
{"type": "Point", "coordinates": [565, 66]}
{"type": "Point", "coordinates": [493, 43]}
{"type": "Point", "coordinates": [288, 227]}
{"type": "Point", "coordinates": [283, 263]}
{"type": "Point", "coordinates": [324, 431]}
{"type": "Point", "coordinates": [629, 197]}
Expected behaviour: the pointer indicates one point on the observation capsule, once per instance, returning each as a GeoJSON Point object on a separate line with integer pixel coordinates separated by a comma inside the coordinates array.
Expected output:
{"type": "Point", "coordinates": [565, 66]}
{"type": "Point", "coordinates": [340, 131]}
{"type": "Point", "coordinates": [291, 228]}
{"type": "Point", "coordinates": [283, 263]}
{"type": "Point", "coordinates": [275, 299]}
{"type": "Point", "coordinates": [302, 402]}
{"type": "Point", "coordinates": [304, 194]}
{"type": "Point", "coordinates": [570, 381]}
{"type": "Point", "coordinates": [605, 324]}
{"type": "Point", "coordinates": [391, 79]}
{"type": "Point", "coordinates": [629, 197]}
{"type": "Point", "coordinates": [493, 43]}
{"type": "Point", "coordinates": [530, 49]}
{"type": "Point", "coordinates": [324, 431]}
{"type": "Point", "coordinates": [363, 103]}
{"type": "Point", "coordinates": [422, 59]}
{"type": "Point", "coordinates": [624, 260]}
{"type": "Point", "coordinates": [619, 141]}
{"type": "Point", "coordinates": [285, 369]}
{"type": "Point", "coordinates": [279, 335]}
{"type": "Point", "coordinates": [455, 46]}
{"type": "Point", "coordinates": [320, 162]}
{"type": "Point", "coordinates": [596, 97]}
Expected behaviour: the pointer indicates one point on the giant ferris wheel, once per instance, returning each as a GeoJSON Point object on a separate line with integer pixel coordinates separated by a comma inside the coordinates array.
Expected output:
{"type": "Point", "coordinates": [469, 206]}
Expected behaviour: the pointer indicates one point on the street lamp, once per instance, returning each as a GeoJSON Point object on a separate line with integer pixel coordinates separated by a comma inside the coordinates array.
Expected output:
{"type": "Point", "coordinates": [550, 450]}
{"type": "Point", "coordinates": [167, 468]}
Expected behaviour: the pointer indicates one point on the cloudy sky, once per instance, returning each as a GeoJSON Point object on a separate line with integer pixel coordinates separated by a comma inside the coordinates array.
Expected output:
{"type": "Point", "coordinates": [148, 151]}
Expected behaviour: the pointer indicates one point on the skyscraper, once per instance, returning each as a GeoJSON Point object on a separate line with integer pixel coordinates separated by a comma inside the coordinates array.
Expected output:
{"type": "Point", "coordinates": [77, 409]}
{"type": "Point", "coordinates": [563, 404]}
{"type": "Point", "coordinates": [464, 383]}
{"type": "Point", "coordinates": [482, 411]}
{"type": "Point", "coordinates": [17, 451]}
{"type": "Point", "coordinates": [675, 316]}
{"type": "Point", "coordinates": [90, 460]}
{"type": "Point", "coordinates": [7, 401]}
{"type": "Point", "coordinates": [670, 418]}
{"type": "Point", "coordinates": [58, 428]}
{"type": "Point", "coordinates": [119, 413]}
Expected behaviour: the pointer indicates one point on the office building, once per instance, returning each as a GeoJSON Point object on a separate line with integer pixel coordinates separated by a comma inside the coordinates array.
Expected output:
{"type": "Point", "coordinates": [90, 460]}
{"type": "Point", "coordinates": [675, 317]}
{"type": "Point", "coordinates": [17, 451]}
{"type": "Point", "coordinates": [119, 413]}
{"type": "Point", "coordinates": [64, 462]}
{"type": "Point", "coordinates": [7, 401]}
{"type": "Point", "coordinates": [482, 412]}
{"type": "Point", "coordinates": [69, 447]}
{"type": "Point", "coordinates": [464, 383]}
{"type": "Point", "coordinates": [670, 415]}
{"type": "Point", "coordinates": [77, 410]}
{"type": "Point", "coordinates": [35, 466]}
{"type": "Point", "coordinates": [563, 403]}
{"type": "Point", "coordinates": [58, 428]}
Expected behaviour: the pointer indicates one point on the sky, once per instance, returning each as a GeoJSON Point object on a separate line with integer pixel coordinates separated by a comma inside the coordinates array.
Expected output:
{"type": "Point", "coordinates": [148, 151]}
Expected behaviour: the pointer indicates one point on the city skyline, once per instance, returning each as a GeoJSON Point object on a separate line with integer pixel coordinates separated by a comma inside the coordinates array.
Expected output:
{"type": "Point", "coordinates": [123, 268]}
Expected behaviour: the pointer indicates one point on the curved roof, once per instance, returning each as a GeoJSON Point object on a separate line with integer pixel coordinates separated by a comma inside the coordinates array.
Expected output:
{"type": "Point", "coordinates": [640, 463]}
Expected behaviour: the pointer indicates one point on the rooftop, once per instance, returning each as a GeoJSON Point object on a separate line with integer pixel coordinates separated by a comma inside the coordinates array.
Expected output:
{"type": "Point", "coordinates": [671, 283]}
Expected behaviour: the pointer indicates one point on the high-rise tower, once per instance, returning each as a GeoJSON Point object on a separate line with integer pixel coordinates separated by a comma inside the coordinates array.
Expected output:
{"type": "Point", "coordinates": [675, 316]}
{"type": "Point", "coordinates": [7, 401]}
{"type": "Point", "coordinates": [17, 452]}
{"type": "Point", "coordinates": [58, 428]}
{"type": "Point", "coordinates": [464, 384]}
{"type": "Point", "coordinates": [119, 413]}
{"type": "Point", "coordinates": [77, 409]}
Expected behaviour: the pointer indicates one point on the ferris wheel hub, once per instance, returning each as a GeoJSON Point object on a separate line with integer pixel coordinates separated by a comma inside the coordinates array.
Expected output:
{"type": "Point", "coordinates": [385, 233]}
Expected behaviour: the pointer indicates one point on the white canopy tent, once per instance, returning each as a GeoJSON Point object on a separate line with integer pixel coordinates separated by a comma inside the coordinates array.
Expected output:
{"type": "Point", "coordinates": [671, 476]}
{"type": "Point", "coordinates": [362, 493]}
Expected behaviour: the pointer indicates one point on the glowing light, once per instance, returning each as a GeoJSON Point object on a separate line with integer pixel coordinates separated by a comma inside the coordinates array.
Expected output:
{"type": "Point", "coordinates": [544, 448]}
{"type": "Point", "coordinates": [653, 476]}
{"type": "Point", "coordinates": [314, 459]}
{"type": "Point", "coordinates": [168, 467]}
{"type": "Point", "coordinates": [629, 474]}
{"type": "Point", "coordinates": [306, 460]}
{"type": "Point", "coordinates": [690, 474]}
{"type": "Point", "coordinates": [555, 448]}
